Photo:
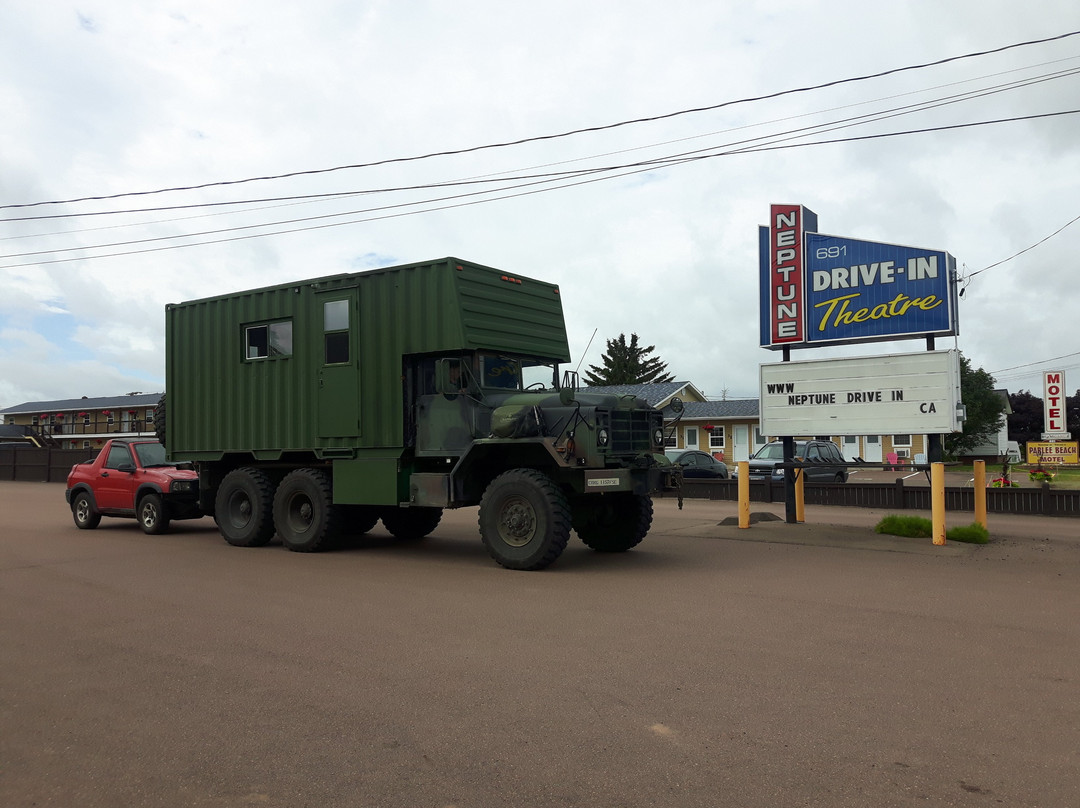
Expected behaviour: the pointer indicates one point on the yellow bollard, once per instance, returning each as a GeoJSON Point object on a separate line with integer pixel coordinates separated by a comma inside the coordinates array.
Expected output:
{"type": "Point", "coordinates": [980, 492]}
{"type": "Point", "coordinates": [937, 499]}
{"type": "Point", "coordinates": [800, 497]}
{"type": "Point", "coordinates": [744, 493]}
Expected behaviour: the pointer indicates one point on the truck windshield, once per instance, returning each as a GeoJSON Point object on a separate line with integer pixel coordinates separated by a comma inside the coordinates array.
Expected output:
{"type": "Point", "coordinates": [151, 454]}
{"type": "Point", "coordinates": [501, 372]}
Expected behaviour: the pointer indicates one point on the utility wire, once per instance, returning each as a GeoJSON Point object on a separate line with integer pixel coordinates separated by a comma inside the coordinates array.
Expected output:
{"type": "Point", "coordinates": [555, 176]}
{"type": "Point", "coordinates": [538, 138]}
{"type": "Point", "coordinates": [1026, 249]}
{"type": "Point", "coordinates": [650, 166]}
{"type": "Point", "coordinates": [532, 180]}
{"type": "Point", "coordinates": [879, 115]}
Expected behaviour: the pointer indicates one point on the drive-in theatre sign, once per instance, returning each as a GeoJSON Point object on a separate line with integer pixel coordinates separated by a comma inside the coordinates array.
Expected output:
{"type": "Point", "coordinates": [818, 289]}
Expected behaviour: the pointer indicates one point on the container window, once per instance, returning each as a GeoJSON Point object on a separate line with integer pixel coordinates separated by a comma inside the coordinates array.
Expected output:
{"type": "Point", "coordinates": [336, 332]}
{"type": "Point", "coordinates": [337, 347]}
{"type": "Point", "coordinates": [272, 339]}
{"type": "Point", "coordinates": [336, 315]}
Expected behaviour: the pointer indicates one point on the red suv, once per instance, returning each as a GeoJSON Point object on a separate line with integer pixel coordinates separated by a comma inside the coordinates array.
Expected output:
{"type": "Point", "coordinates": [131, 477]}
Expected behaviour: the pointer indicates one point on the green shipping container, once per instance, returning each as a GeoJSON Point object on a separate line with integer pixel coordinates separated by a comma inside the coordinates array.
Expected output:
{"type": "Point", "coordinates": [316, 366]}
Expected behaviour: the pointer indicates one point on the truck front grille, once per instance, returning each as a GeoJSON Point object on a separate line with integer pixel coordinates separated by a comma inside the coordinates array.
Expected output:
{"type": "Point", "coordinates": [631, 431]}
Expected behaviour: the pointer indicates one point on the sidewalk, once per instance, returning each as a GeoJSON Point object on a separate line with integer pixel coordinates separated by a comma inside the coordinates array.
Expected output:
{"type": "Point", "coordinates": [853, 527]}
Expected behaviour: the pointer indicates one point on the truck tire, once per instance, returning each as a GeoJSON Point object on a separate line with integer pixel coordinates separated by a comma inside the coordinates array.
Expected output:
{"type": "Point", "coordinates": [524, 520]}
{"type": "Point", "coordinates": [357, 520]}
{"type": "Point", "coordinates": [613, 523]}
{"type": "Point", "coordinates": [410, 524]}
{"type": "Point", "coordinates": [159, 421]}
{"type": "Point", "coordinates": [243, 508]}
{"type": "Point", "coordinates": [152, 515]}
{"type": "Point", "coordinates": [304, 513]}
{"type": "Point", "coordinates": [82, 511]}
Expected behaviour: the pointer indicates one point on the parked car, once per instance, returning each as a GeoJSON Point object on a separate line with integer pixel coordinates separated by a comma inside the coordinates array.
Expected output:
{"type": "Point", "coordinates": [131, 477]}
{"type": "Point", "coordinates": [824, 461]}
{"type": "Point", "coordinates": [697, 465]}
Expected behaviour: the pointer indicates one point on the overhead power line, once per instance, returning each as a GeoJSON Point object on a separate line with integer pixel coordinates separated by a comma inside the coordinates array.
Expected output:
{"type": "Point", "coordinates": [538, 138]}
{"type": "Point", "coordinates": [636, 169]}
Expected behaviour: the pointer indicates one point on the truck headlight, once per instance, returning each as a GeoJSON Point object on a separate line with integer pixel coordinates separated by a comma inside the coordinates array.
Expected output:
{"type": "Point", "coordinates": [658, 436]}
{"type": "Point", "coordinates": [602, 436]}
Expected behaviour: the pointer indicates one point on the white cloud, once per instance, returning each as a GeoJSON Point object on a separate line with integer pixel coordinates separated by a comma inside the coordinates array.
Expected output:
{"type": "Point", "coordinates": [122, 96]}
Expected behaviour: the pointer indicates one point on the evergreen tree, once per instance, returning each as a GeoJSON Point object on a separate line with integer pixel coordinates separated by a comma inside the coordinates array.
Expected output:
{"type": "Point", "coordinates": [624, 363]}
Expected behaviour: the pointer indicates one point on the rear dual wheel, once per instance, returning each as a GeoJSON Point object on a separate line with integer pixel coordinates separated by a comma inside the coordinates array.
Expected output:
{"type": "Point", "coordinates": [304, 513]}
{"type": "Point", "coordinates": [243, 508]}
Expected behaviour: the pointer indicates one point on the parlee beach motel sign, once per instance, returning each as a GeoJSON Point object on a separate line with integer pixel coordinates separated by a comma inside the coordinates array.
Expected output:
{"type": "Point", "coordinates": [818, 290]}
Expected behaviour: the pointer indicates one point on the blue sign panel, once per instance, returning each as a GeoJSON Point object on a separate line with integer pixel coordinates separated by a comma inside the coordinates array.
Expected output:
{"type": "Point", "coordinates": [866, 291]}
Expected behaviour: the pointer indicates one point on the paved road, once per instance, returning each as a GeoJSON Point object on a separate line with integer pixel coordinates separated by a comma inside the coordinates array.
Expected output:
{"type": "Point", "coordinates": [784, 665]}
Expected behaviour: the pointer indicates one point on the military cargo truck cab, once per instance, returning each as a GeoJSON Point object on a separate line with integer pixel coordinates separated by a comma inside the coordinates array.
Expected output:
{"type": "Point", "coordinates": [315, 409]}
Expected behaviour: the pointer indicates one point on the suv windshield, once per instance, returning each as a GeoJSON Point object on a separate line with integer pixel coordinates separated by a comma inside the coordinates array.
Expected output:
{"type": "Point", "coordinates": [770, 451]}
{"type": "Point", "coordinates": [150, 454]}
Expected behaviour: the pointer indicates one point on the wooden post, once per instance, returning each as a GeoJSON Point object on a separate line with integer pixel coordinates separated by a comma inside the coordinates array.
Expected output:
{"type": "Point", "coordinates": [800, 496]}
{"type": "Point", "coordinates": [744, 493]}
{"type": "Point", "coordinates": [980, 492]}
{"type": "Point", "coordinates": [937, 498]}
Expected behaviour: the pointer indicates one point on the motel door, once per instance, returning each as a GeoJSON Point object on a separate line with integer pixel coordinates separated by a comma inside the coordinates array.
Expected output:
{"type": "Point", "coordinates": [872, 449]}
{"type": "Point", "coordinates": [741, 449]}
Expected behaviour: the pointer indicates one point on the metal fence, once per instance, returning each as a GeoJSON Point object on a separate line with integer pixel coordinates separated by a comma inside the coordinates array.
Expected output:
{"type": "Point", "coordinates": [896, 496]}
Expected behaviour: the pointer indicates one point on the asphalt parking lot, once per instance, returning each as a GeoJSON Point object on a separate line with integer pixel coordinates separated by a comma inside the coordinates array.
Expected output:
{"type": "Point", "coordinates": [781, 665]}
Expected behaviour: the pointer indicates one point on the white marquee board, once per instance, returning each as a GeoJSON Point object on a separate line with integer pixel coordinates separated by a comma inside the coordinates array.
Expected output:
{"type": "Point", "coordinates": [913, 393]}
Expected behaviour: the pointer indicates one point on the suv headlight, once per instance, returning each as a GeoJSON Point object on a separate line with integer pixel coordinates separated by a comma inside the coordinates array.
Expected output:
{"type": "Point", "coordinates": [182, 486]}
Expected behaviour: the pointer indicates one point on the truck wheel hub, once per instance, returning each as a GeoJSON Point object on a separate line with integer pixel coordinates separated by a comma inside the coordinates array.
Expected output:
{"type": "Point", "coordinates": [518, 523]}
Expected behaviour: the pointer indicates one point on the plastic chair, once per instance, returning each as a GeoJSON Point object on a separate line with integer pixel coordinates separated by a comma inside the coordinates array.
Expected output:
{"type": "Point", "coordinates": [891, 461]}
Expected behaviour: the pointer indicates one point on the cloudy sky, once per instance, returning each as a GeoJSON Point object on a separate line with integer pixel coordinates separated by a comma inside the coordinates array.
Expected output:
{"type": "Point", "coordinates": [120, 98]}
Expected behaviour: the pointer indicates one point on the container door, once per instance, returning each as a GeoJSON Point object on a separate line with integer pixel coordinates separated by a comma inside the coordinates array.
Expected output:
{"type": "Point", "coordinates": [339, 373]}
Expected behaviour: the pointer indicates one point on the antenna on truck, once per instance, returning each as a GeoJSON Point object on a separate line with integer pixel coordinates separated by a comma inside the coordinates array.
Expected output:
{"type": "Point", "coordinates": [586, 350]}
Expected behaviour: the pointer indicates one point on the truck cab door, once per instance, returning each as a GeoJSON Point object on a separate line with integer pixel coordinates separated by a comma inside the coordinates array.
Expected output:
{"type": "Point", "coordinates": [339, 373]}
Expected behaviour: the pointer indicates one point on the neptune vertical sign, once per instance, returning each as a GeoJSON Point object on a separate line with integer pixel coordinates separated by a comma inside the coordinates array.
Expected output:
{"type": "Point", "coordinates": [818, 289]}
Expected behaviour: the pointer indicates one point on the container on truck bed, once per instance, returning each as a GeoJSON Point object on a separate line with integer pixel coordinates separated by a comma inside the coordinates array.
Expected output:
{"type": "Point", "coordinates": [316, 408]}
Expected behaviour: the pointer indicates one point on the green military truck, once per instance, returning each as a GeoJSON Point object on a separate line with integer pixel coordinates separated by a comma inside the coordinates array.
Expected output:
{"type": "Point", "coordinates": [314, 409]}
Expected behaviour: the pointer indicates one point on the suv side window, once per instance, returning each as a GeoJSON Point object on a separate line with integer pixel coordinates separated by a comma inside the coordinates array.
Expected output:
{"type": "Point", "coordinates": [118, 456]}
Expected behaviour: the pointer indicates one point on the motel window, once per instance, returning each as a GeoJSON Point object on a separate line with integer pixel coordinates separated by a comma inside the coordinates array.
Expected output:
{"type": "Point", "coordinates": [716, 438]}
{"type": "Point", "coordinates": [901, 440]}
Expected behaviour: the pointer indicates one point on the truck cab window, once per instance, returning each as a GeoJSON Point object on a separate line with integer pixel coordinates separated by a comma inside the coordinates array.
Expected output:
{"type": "Point", "coordinates": [500, 372]}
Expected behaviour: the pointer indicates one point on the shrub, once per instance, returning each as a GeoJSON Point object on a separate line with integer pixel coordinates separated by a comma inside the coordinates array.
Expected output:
{"type": "Point", "coordinates": [919, 527]}
{"type": "Point", "coordinates": [915, 527]}
{"type": "Point", "coordinates": [972, 534]}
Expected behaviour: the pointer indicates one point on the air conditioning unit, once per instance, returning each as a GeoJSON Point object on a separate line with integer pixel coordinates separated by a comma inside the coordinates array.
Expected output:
{"type": "Point", "coordinates": [903, 453]}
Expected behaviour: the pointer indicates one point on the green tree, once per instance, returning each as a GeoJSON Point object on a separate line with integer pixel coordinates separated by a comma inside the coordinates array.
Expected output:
{"type": "Point", "coordinates": [1026, 420]}
{"type": "Point", "coordinates": [624, 363]}
{"type": "Point", "coordinates": [985, 410]}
